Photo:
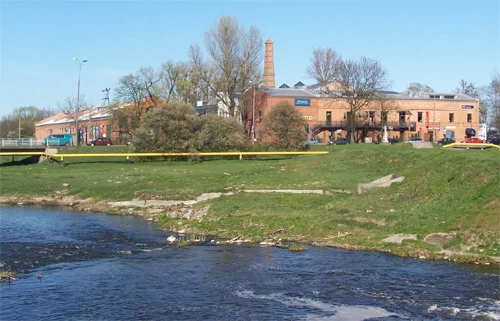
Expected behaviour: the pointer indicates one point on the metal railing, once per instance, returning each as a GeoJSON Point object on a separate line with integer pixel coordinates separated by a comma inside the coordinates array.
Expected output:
{"type": "Point", "coordinates": [325, 125]}
{"type": "Point", "coordinates": [20, 142]}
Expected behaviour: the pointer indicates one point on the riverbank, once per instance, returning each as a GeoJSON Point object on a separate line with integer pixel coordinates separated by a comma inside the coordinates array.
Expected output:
{"type": "Point", "coordinates": [156, 211]}
{"type": "Point", "coordinates": [440, 204]}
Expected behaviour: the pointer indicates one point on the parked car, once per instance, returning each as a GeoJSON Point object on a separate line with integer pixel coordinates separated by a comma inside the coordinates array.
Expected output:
{"type": "Point", "coordinates": [445, 141]}
{"type": "Point", "coordinates": [311, 141]}
{"type": "Point", "coordinates": [495, 141]}
{"type": "Point", "coordinates": [340, 141]}
{"type": "Point", "coordinates": [100, 142]}
{"type": "Point", "coordinates": [415, 140]}
{"type": "Point", "coordinates": [58, 140]}
{"type": "Point", "coordinates": [473, 140]}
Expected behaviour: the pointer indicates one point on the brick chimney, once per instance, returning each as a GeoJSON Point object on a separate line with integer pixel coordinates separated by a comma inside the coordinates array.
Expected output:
{"type": "Point", "coordinates": [269, 65]}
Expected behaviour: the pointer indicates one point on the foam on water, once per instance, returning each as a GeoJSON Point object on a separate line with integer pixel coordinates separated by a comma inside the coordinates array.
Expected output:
{"type": "Point", "coordinates": [330, 311]}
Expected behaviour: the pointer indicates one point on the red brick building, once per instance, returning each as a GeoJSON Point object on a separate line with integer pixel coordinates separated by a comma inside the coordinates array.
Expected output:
{"type": "Point", "coordinates": [405, 114]}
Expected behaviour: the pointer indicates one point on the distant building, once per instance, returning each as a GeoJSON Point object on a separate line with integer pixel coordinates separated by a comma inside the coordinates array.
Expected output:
{"type": "Point", "coordinates": [405, 114]}
{"type": "Point", "coordinates": [92, 123]}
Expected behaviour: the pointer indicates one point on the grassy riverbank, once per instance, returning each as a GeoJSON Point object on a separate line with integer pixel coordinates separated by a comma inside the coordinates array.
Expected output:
{"type": "Point", "coordinates": [449, 196]}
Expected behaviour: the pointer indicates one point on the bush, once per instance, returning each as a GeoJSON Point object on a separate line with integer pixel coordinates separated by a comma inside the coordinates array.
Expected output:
{"type": "Point", "coordinates": [218, 134]}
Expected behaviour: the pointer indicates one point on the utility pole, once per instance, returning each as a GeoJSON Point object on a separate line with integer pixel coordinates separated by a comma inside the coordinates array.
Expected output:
{"type": "Point", "coordinates": [78, 99]}
{"type": "Point", "coordinates": [253, 116]}
{"type": "Point", "coordinates": [106, 98]}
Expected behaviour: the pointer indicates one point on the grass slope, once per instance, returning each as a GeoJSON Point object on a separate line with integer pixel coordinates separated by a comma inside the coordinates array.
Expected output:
{"type": "Point", "coordinates": [444, 191]}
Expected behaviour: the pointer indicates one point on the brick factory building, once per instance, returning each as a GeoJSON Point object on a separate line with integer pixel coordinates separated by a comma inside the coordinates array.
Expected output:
{"type": "Point", "coordinates": [405, 114]}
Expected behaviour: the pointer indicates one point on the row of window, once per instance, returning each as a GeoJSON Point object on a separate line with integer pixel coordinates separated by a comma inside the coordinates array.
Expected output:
{"type": "Point", "coordinates": [402, 116]}
{"type": "Point", "coordinates": [451, 117]}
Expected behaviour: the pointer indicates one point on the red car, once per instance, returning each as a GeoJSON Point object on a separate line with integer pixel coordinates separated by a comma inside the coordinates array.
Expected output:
{"type": "Point", "coordinates": [100, 142]}
{"type": "Point", "coordinates": [473, 140]}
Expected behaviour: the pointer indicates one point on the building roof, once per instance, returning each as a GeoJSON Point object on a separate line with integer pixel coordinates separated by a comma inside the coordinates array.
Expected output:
{"type": "Point", "coordinates": [288, 92]}
{"type": "Point", "coordinates": [312, 91]}
{"type": "Point", "coordinates": [299, 84]}
{"type": "Point", "coordinates": [426, 95]}
{"type": "Point", "coordinates": [85, 115]}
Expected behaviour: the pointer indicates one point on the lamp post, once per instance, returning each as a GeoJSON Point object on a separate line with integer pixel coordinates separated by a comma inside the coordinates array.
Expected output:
{"type": "Point", "coordinates": [434, 120]}
{"type": "Point", "coordinates": [78, 98]}
{"type": "Point", "coordinates": [253, 116]}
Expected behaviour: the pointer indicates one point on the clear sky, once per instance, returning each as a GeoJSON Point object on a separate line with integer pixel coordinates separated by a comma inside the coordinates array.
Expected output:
{"type": "Point", "coordinates": [433, 42]}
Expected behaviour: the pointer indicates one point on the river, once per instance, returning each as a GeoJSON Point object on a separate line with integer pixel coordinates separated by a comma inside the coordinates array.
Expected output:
{"type": "Point", "coordinates": [81, 266]}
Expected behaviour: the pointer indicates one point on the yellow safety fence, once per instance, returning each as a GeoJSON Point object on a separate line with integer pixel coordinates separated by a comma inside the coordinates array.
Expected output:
{"type": "Point", "coordinates": [128, 155]}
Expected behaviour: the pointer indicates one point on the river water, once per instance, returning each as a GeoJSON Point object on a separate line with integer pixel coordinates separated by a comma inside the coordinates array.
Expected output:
{"type": "Point", "coordinates": [79, 266]}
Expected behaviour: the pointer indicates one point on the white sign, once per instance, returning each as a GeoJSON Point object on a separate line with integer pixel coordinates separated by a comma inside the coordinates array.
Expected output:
{"type": "Point", "coordinates": [482, 132]}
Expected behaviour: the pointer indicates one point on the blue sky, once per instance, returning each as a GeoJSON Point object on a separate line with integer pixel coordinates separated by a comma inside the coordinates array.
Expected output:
{"type": "Point", "coordinates": [432, 42]}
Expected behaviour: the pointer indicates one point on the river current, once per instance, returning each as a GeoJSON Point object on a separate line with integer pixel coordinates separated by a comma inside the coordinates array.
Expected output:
{"type": "Point", "coordinates": [81, 266]}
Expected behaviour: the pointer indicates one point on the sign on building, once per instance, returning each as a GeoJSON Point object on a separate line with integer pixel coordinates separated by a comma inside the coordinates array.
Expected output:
{"type": "Point", "coordinates": [302, 102]}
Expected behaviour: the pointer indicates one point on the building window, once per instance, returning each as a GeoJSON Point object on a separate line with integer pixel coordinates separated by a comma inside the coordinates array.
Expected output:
{"type": "Point", "coordinates": [372, 117]}
{"type": "Point", "coordinates": [469, 118]}
{"type": "Point", "coordinates": [451, 117]}
{"type": "Point", "coordinates": [384, 116]}
{"type": "Point", "coordinates": [419, 117]}
{"type": "Point", "coordinates": [402, 118]}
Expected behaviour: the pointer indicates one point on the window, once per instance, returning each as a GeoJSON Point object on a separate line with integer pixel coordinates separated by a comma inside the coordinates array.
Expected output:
{"type": "Point", "coordinates": [384, 116]}
{"type": "Point", "coordinates": [435, 96]}
{"type": "Point", "coordinates": [419, 117]}
{"type": "Point", "coordinates": [449, 97]}
{"type": "Point", "coordinates": [402, 117]}
{"type": "Point", "coordinates": [469, 118]}
{"type": "Point", "coordinates": [451, 117]}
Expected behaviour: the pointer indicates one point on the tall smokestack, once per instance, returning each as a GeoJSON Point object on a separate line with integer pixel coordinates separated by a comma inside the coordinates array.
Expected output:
{"type": "Point", "coordinates": [269, 65]}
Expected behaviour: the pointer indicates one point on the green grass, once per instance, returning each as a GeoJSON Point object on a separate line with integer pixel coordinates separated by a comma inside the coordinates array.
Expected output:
{"type": "Point", "coordinates": [444, 191]}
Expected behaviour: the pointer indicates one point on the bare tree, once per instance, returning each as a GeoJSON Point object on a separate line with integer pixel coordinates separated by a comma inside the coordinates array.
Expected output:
{"type": "Point", "coordinates": [150, 81]}
{"type": "Point", "coordinates": [492, 102]}
{"type": "Point", "coordinates": [468, 89]}
{"type": "Point", "coordinates": [201, 74]}
{"type": "Point", "coordinates": [419, 88]}
{"type": "Point", "coordinates": [385, 105]}
{"type": "Point", "coordinates": [133, 92]}
{"type": "Point", "coordinates": [361, 82]}
{"type": "Point", "coordinates": [171, 77]}
{"type": "Point", "coordinates": [236, 56]}
{"type": "Point", "coordinates": [324, 66]}
{"type": "Point", "coordinates": [72, 107]}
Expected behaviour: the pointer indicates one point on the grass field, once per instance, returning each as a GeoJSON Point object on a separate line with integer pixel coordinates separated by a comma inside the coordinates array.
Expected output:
{"type": "Point", "coordinates": [456, 192]}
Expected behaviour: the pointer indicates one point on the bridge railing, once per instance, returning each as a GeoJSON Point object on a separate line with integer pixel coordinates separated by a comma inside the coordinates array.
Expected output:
{"type": "Point", "coordinates": [20, 142]}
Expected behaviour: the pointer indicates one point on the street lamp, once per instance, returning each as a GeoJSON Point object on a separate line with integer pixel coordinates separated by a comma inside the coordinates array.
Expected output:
{"type": "Point", "coordinates": [78, 98]}
{"type": "Point", "coordinates": [434, 119]}
{"type": "Point", "coordinates": [253, 116]}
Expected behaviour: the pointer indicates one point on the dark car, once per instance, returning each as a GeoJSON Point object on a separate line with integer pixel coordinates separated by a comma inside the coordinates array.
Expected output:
{"type": "Point", "coordinates": [445, 141]}
{"type": "Point", "coordinates": [340, 141]}
{"type": "Point", "coordinates": [415, 140]}
{"type": "Point", "coordinates": [100, 142]}
{"type": "Point", "coordinates": [473, 140]}
{"type": "Point", "coordinates": [495, 141]}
